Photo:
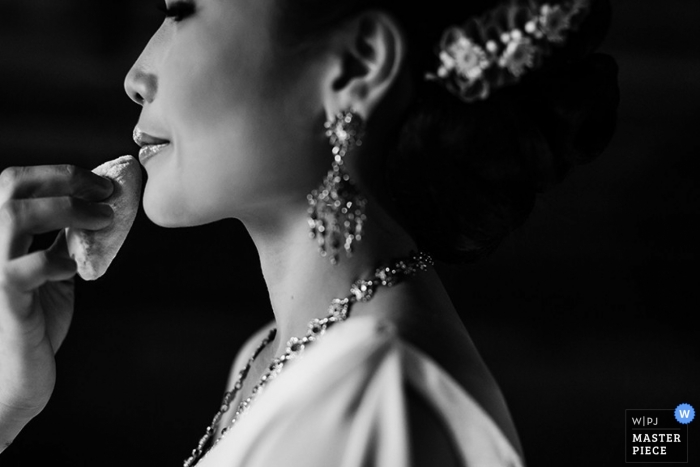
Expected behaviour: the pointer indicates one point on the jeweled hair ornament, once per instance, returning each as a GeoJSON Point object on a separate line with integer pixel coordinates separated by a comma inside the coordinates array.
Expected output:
{"type": "Point", "coordinates": [499, 47]}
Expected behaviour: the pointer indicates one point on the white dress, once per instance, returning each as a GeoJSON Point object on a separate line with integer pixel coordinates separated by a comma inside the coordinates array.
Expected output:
{"type": "Point", "coordinates": [343, 403]}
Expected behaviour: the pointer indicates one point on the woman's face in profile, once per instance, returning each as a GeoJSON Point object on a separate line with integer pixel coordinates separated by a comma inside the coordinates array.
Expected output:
{"type": "Point", "coordinates": [239, 116]}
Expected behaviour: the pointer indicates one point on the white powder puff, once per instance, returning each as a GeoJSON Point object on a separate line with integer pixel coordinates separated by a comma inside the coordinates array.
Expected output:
{"type": "Point", "coordinates": [94, 251]}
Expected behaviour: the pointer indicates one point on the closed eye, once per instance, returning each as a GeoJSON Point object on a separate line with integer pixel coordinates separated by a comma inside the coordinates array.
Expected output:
{"type": "Point", "coordinates": [177, 11]}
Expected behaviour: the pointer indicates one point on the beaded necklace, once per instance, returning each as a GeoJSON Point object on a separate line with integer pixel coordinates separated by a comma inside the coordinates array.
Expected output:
{"type": "Point", "coordinates": [339, 310]}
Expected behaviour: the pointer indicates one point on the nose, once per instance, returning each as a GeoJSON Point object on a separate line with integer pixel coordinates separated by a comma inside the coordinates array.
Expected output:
{"type": "Point", "coordinates": [140, 85]}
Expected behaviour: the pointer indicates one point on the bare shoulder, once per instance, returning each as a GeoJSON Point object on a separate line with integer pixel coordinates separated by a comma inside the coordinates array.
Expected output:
{"type": "Point", "coordinates": [256, 338]}
{"type": "Point", "coordinates": [247, 350]}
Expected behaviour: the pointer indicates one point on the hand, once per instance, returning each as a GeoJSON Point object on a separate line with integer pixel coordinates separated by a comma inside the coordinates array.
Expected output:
{"type": "Point", "coordinates": [36, 289]}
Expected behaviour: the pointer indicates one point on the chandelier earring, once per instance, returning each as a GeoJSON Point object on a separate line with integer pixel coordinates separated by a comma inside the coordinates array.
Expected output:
{"type": "Point", "coordinates": [336, 213]}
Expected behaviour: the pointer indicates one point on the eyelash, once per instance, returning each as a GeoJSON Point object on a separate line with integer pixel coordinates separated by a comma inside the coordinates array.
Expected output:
{"type": "Point", "coordinates": [177, 10]}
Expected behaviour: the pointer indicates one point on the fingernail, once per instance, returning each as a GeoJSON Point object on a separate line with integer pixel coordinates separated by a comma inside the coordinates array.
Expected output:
{"type": "Point", "coordinates": [107, 185]}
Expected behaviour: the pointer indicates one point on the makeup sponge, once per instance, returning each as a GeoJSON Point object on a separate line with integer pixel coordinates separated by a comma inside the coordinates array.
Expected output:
{"type": "Point", "coordinates": [94, 251]}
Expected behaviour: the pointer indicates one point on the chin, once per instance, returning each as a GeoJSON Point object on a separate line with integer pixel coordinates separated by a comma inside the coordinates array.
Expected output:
{"type": "Point", "coordinates": [170, 210]}
{"type": "Point", "coordinates": [164, 210]}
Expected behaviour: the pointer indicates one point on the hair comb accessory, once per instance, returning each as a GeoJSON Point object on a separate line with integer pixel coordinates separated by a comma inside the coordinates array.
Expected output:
{"type": "Point", "coordinates": [499, 47]}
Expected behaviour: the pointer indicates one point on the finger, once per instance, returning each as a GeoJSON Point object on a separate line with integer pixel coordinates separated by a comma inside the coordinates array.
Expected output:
{"type": "Point", "coordinates": [22, 218]}
{"type": "Point", "coordinates": [31, 271]}
{"type": "Point", "coordinates": [52, 181]}
{"type": "Point", "coordinates": [60, 245]}
{"type": "Point", "coordinates": [35, 216]}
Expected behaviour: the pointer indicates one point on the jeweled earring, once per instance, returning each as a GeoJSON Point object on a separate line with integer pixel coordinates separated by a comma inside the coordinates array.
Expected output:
{"type": "Point", "coordinates": [336, 207]}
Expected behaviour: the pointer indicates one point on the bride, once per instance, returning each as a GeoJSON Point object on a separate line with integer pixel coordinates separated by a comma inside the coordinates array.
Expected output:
{"type": "Point", "coordinates": [358, 142]}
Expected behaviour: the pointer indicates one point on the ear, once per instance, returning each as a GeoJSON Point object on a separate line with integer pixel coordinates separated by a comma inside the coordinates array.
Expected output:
{"type": "Point", "coordinates": [369, 53]}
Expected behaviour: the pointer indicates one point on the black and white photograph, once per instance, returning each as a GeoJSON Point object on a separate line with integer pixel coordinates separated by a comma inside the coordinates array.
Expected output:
{"type": "Point", "coordinates": [357, 233]}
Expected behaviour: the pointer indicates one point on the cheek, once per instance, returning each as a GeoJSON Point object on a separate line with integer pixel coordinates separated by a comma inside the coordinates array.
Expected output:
{"type": "Point", "coordinates": [210, 108]}
{"type": "Point", "coordinates": [243, 138]}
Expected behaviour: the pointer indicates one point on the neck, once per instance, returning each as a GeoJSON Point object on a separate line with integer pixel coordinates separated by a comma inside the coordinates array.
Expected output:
{"type": "Point", "coordinates": [301, 282]}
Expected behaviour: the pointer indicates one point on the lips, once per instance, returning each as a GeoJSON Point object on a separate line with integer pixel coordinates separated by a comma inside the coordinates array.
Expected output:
{"type": "Point", "coordinates": [149, 151]}
{"type": "Point", "coordinates": [150, 145]}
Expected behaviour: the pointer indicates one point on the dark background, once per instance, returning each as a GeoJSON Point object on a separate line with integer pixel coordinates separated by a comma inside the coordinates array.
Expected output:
{"type": "Point", "coordinates": [582, 313]}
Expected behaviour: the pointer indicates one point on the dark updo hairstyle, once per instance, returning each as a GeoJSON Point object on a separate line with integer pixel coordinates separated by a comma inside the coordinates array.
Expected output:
{"type": "Point", "coordinates": [465, 175]}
